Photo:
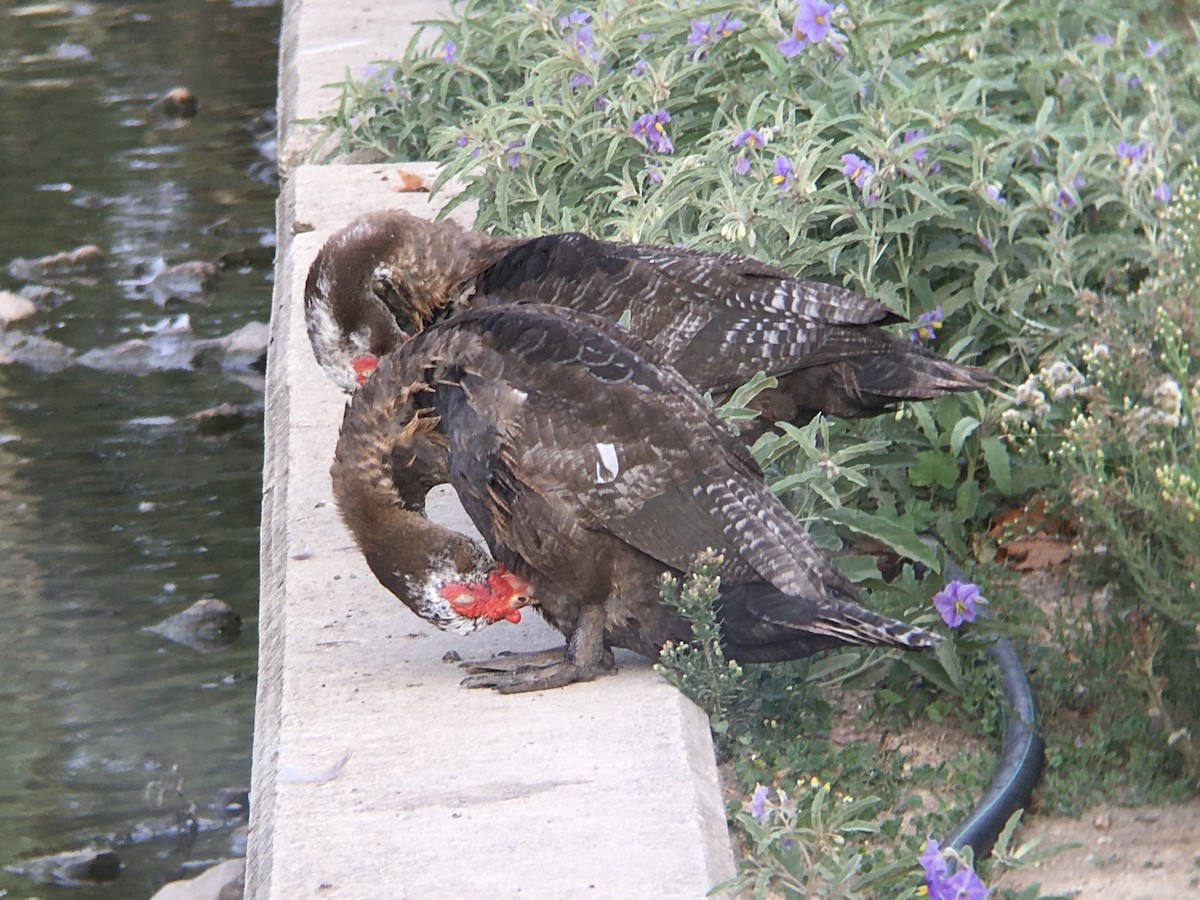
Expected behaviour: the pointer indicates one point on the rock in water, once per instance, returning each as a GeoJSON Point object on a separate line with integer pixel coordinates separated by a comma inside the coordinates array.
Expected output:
{"type": "Point", "coordinates": [224, 881]}
{"type": "Point", "coordinates": [14, 307]}
{"type": "Point", "coordinates": [206, 626]}
{"type": "Point", "coordinates": [86, 260]}
{"type": "Point", "coordinates": [75, 868]}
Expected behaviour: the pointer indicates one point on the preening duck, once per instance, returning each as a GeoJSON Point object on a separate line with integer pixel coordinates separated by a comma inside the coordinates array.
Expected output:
{"type": "Point", "coordinates": [718, 318]}
{"type": "Point", "coordinates": [590, 470]}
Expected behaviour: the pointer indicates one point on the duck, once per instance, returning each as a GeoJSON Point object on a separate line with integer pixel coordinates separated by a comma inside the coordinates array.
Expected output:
{"type": "Point", "coordinates": [591, 469]}
{"type": "Point", "coordinates": [717, 318]}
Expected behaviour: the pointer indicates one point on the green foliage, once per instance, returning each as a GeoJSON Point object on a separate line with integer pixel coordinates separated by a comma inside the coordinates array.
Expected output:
{"type": "Point", "coordinates": [699, 668]}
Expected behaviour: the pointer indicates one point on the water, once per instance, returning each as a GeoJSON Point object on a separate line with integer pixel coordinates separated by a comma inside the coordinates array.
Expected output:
{"type": "Point", "coordinates": [114, 511]}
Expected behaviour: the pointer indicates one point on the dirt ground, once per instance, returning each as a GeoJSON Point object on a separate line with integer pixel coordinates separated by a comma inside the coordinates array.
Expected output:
{"type": "Point", "coordinates": [1125, 853]}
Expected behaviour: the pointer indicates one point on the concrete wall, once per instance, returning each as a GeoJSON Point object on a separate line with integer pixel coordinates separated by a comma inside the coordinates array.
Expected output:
{"type": "Point", "coordinates": [375, 774]}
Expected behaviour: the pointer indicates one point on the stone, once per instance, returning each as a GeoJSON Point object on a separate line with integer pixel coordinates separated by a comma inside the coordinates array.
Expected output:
{"type": "Point", "coordinates": [223, 881]}
{"type": "Point", "coordinates": [74, 868]}
{"type": "Point", "coordinates": [207, 626]}
{"type": "Point", "coordinates": [14, 307]}
{"type": "Point", "coordinates": [86, 260]}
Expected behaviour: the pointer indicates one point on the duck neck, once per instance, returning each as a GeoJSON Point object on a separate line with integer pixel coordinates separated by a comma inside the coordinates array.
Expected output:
{"type": "Point", "coordinates": [388, 457]}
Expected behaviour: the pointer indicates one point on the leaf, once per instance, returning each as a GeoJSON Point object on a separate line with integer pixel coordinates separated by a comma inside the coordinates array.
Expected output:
{"type": "Point", "coordinates": [934, 467]}
{"type": "Point", "coordinates": [895, 536]}
{"type": "Point", "coordinates": [995, 454]}
{"type": "Point", "coordinates": [962, 430]}
{"type": "Point", "coordinates": [1036, 552]}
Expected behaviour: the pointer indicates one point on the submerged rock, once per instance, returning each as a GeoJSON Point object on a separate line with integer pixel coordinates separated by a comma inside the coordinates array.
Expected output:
{"type": "Point", "coordinates": [14, 307]}
{"type": "Point", "coordinates": [219, 421]}
{"type": "Point", "coordinates": [224, 881]}
{"type": "Point", "coordinates": [207, 626]}
{"type": "Point", "coordinates": [86, 260]}
{"type": "Point", "coordinates": [74, 868]}
{"type": "Point", "coordinates": [39, 353]}
{"type": "Point", "coordinates": [244, 348]}
{"type": "Point", "coordinates": [182, 281]}
{"type": "Point", "coordinates": [179, 103]}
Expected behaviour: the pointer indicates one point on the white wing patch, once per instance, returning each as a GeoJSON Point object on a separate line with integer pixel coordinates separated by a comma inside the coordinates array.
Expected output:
{"type": "Point", "coordinates": [608, 467]}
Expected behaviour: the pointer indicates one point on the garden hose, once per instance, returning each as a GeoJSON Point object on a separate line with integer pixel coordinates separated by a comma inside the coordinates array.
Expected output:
{"type": "Point", "coordinates": [1022, 751]}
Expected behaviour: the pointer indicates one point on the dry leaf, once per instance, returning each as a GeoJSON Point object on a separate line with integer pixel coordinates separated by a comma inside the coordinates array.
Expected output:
{"type": "Point", "coordinates": [1037, 551]}
{"type": "Point", "coordinates": [410, 183]}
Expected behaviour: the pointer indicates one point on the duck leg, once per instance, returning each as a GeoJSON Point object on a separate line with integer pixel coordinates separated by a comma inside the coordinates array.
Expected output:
{"type": "Point", "coordinates": [508, 660]}
{"type": "Point", "coordinates": [584, 659]}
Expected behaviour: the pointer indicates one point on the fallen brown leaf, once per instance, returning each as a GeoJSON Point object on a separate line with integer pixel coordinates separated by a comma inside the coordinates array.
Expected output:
{"type": "Point", "coordinates": [410, 183]}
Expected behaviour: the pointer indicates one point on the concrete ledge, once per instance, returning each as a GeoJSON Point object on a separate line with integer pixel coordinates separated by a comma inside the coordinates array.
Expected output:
{"type": "Point", "coordinates": [376, 775]}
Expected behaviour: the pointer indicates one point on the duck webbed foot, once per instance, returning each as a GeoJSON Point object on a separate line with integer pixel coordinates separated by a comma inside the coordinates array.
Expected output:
{"type": "Point", "coordinates": [583, 659]}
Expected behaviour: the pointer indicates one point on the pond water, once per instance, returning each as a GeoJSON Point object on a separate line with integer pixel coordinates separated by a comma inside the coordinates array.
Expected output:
{"type": "Point", "coordinates": [116, 510]}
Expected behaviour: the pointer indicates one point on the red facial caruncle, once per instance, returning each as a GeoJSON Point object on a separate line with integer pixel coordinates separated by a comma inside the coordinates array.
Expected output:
{"type": "Point", "coordinates": [364, 365]}
{"type": "Point", "coordinates": [500, 597]}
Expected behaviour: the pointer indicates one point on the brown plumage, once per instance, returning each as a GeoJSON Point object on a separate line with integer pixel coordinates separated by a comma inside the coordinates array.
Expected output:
{"type": "Point", "coordinates": [590, 470]}
{"type": "Point", "coordinates": [718, 318]}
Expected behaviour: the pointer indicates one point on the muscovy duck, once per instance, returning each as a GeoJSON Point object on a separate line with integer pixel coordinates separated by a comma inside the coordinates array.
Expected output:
{"type": "Point", "coordinates": [590, 470]}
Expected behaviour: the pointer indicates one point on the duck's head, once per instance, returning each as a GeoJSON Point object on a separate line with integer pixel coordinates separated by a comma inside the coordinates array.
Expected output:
{"type": "Point", "coordinates": [463, 602]}
{"type": "Point", "coordinates": [378, 281]}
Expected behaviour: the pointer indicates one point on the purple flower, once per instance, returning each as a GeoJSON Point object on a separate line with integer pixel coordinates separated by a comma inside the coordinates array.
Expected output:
{"type": "Point", "coordinates": [387, 83]}
{"type": "Point", "coordinates": [641, 67]}
{"type": "Point", "coordinates": [581, 79]}
{"type": "Point", "coordinates": [1162, 193]}
{"type": "Point", "coordinates": [918, 153]}
{"type": "Point", "coordinates": [515, 157]}
{"type": "Point", "coordinates": [810, 27]}
{"type": "Point", "coordinates": [654, 173]}
{"type": "Point", "coordinates": [993, 194]}
{"type": "Point", "coordinates": [701, 33]}
{"type": "Point", "coordinates": [988, 243]}
{"type": "Point", "coordinates": [758, 804]}
{"type": "Point", "coordinates": [928, 324]}
{"type": "Point", "coordinates": [741, 165]}
{"type": "Point", "coordinates": [959, 601]}
{"type": "Point", "coordinates": [857, 168]}
{"type": "Point", "coordinates": [750, 138]}
{"type": "Point", "coordinates": [963, 884]}
{"type": "Point", "coordinates": [449, 51]}
{"type": "Point", "coordinates": [650, 127]}
{"type": "Point", "coordinates": [783, 173]}
{"type": "Point", "coordinates": [1154, 48]}
{"type": "Point", "coordinates": [1064, 199]}
{"type": "Point", "coordinates": [1103, 38]}
{"type": "Point", "coordinates": [1129, 154]}
{"type": "Point", "coordinates": [578, 32]}
{"type": "Point", "coordinates": [724, 26]}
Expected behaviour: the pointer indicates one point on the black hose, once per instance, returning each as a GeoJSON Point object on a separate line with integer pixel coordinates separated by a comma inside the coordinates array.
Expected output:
{"type": "Point", "coordinates": [1022, 752]}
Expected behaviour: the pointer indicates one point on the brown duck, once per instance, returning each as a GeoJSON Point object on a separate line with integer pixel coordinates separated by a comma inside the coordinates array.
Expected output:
{"type": "Point", "coordinates": [718, 318]}
{"type": "Point", "coordinates": [590, 471]}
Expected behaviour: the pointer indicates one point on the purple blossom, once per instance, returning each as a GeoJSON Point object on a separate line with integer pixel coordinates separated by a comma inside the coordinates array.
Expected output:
{"type": "Point", "coordinates": [449, 52]}
{"type": "Point", "coordinates": [963, 884]}
{"type": "Point", "coordinates": [1128, 155]}
{"type": "Point", "coordinates": [650, 127]}
{"type": "Point", "coordinates": [1162, 193]}
{"type": "Point", "coordinates": [928, 324]}
{"type": "Point", "coordinates": [750, 138]}
{"type": "Point", "coordinates": [701, 33]}
{"type": "Point", "coordinates": [988, 243]}
{"type": "Point", "coordinates": [1154, 48]}
{"type": "Point", "coordinates": [641, 67]}
{"type": "Point", "coordinates": [959, 601]}
{"type": "Point", "coordinates": [919, 154]}
{"type": "Point", "coordinates": [783, 173]}
{"type": "Point", "coordinates": [515, 157]}
{"type": "Point", "coordinates": [993, 194]}
{"type": "Point", "coordinates": [581, 79]}
{"type": "Point", "coordinates": [811, 26]}
{"type": "Point", "coordinates": [858, 169]}
{"type": "Point", "coordinates": [1064, 199]}
{"type": "Point", "coordinates": [741, 165]}
{"type": "Point", "coordinates": [387, 83]}
{"type": "Point", "coordinates": [758, 804]}
{"type": "Point", "coordinates": [1103, 38]}
{"type": "Point", "coordinates": [577, 30]}
{"type": "Point", "coordinates": [654, 172]}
